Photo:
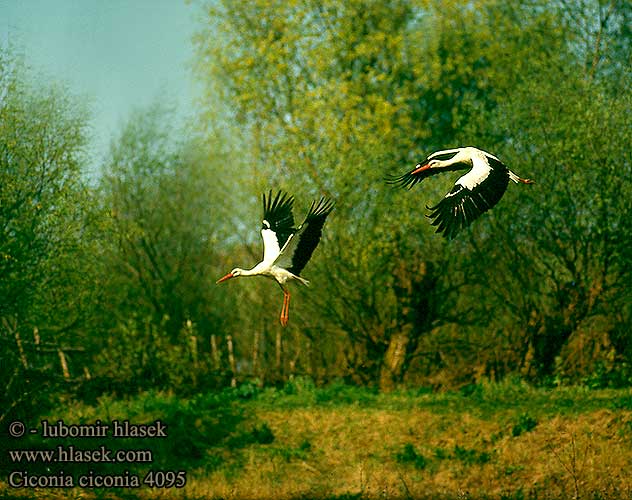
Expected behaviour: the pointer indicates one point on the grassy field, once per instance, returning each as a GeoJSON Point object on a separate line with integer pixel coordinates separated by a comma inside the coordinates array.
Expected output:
{"type": "Point", "coordinates": [505, 440]}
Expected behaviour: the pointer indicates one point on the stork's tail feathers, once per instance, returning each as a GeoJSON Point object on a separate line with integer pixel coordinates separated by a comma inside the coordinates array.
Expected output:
{"type": "Point", "coordinates": [301, 279]}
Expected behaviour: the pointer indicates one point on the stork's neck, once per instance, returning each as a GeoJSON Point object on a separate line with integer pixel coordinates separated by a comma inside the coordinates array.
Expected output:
{"type": "Point", "coordinates": [247, 272]}
{"type": "Point", "coordinates": [461, 160]}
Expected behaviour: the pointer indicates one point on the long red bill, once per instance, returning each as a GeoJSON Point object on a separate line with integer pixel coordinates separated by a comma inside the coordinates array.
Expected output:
{"type": "Point", "coordinates": [420, 168]}
{"type": "Point", "coordinates": [227, 277]}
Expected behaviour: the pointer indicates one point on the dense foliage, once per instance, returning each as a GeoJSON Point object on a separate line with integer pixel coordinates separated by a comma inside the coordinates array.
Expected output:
{"type": "Point", "coordinates": [332, 96]}
{"type": "Point", "coordinates": [49, 256]}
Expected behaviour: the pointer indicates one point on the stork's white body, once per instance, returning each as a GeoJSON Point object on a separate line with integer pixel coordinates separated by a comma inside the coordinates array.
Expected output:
{"type": "Point", "coordinates": [278, 234]}
{"type": "Point", "coordinates": [272, 271]}
{"type": "Point", "coordinates": [271, 254]}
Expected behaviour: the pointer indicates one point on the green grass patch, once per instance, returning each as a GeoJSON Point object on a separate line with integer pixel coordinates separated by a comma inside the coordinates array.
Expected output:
{"type": "Point", "coordinates": [259, 434]}
{"type": "Point", "coordinates": [470, 456]}
{"type": "Point", "coordinates": [410, 456]}
{"type": "Point", "coordinates": [484, 400]}
{"type": "Point", "coordinates": [288, 453]}
{"type": "Point", "coordinates": [195, 427]}
{"type": "Point", "coordinates": [525, 423]}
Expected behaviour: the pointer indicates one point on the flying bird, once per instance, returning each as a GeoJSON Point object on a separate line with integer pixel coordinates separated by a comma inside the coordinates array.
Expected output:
{"type": "Point", "coordinates": [278, 234]}
{"type": "Point", "coordinates": [473, 193]}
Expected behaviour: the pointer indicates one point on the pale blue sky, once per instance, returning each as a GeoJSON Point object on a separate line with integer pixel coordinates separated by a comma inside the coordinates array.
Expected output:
{"type": "Point", "coordinates": [120, 54]}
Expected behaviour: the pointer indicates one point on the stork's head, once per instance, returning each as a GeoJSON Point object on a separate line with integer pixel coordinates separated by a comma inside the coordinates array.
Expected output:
{"type": "Point", "coordinates": [233, 274]}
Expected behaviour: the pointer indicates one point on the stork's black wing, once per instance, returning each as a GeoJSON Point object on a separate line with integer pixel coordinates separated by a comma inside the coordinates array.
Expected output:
{"type": "Point", "coordinates": [462, 205]}
{"type": "Point", "coordinates": [409, 179]}
{"type": "Point", "coordinates": [309, 234]}
{"type": "Point", "coordinates": [277, 215]}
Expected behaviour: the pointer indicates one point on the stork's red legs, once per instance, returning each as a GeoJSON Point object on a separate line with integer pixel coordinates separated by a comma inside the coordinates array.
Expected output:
{"type": "Point", "coordinates": [525, 181]}
{"type": "Point", "coordinates": [285, 311]}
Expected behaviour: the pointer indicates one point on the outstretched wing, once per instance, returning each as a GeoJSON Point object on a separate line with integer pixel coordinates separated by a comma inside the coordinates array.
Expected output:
{"type": "Point", "coordinates": [278, 224]}
{"type": "Point", "coordinates": [409, 179]}
{"type": "Point", "coordinates": [467, 201]}
{"type": "Point", "coordinates": [309, 233]}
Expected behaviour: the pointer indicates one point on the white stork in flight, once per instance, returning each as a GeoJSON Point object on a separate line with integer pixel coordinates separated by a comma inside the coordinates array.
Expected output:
{"type": "Point", "coordinates": [278, 232]}
{"type": "Point", "coordinates": [473, 193]}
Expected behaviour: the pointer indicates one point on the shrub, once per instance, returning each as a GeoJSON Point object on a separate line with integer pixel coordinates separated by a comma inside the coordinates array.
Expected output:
{"type": "Point", "coordinates": [409, 455]}
{"type": "Point", "coordinates": [525, 423]}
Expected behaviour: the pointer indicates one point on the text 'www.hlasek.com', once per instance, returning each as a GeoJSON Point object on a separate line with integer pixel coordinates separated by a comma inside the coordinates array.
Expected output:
{"type": "Point", "coordinates": [55, 463]}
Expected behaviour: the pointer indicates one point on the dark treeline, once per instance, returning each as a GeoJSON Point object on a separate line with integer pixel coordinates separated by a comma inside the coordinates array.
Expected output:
{"type": "Point", "coordinates": [111, 287]}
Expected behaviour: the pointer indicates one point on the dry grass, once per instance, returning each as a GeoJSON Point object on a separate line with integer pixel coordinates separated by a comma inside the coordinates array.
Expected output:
{"type": "Point", "coordinates": [353, 452]}
{"type": "Point", "coordinates": [465, 449]}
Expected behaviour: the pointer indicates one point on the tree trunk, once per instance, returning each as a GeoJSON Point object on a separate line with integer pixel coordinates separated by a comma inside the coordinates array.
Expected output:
{"type": "Point", "coordinates": [215, 352]}
{"type": "Point", "coordinates": [64, 364]}
{"type": "Point", "coordinates": [231, 361]}
{"type": "Point", "coordinates": [297, 354]}
{"type": "Point", "coordinates": [278, 352]}
{"type": "Point", "coordinates": [392, 368]}
{"type": "Point", "coordinates": [11, 325]}
{"type": "Point", "coordinates": [193, 346]}
{"type": "Point", "coordinates": [308, 359]}
{"type": "Point", "coordinates": [255, 354]}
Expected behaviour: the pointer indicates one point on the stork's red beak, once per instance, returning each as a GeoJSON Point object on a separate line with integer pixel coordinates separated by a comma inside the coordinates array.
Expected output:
{"type": "Point", "coordinates": [227, 277]}
{"type": "Point", "coordinates": [420, 168]}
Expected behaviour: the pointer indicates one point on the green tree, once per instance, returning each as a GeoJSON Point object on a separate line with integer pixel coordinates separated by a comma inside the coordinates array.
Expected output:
{"type": "Point", "coordinates": [47, 246]}
{"type": "Point", "coordinates": [333, 95]}
{"type": "Point", "coordinates": [311, 95]}
{"type": "Point", "coordinates": [562, 271]}
{"type": "Point", "coordinates": [167, 215]}
{"type": "Point", "coordinates": [330, 96]}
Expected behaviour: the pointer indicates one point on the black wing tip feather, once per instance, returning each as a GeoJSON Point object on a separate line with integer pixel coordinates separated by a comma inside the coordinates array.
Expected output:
{"type": "Point", "coordinates": [278, 208]}
{"type": "Point", "coordinates": [311, 233]}
{"type": "Point", "coordinates": [446, 227]}
{"type": "Point", "coordinates": [450, 218]}
{"type": "Point", "coordinates": [280, 201]}
{"type": "Point", "coordinates": [321, 208]}
{"type": "Point", "coordinates": [407, 180]}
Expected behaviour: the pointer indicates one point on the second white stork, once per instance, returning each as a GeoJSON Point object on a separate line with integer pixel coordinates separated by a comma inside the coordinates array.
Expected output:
{"type": "Point", "coordinates": [278, 234]}
{"type": "Point", "coordinates": [473, 193]}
